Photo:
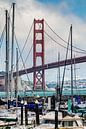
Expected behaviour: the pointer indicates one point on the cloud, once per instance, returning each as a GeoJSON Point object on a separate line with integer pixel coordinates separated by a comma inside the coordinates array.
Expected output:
{"type": "Point", "coordinates": [59, 17]}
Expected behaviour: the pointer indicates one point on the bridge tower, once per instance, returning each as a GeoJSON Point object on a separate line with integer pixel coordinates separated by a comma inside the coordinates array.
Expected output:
{"type": "Point", "coordinates": [38, 53]}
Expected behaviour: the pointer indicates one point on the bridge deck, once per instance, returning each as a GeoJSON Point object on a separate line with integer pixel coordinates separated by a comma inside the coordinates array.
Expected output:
{"type": "Point", "coordinates": [53, 65]}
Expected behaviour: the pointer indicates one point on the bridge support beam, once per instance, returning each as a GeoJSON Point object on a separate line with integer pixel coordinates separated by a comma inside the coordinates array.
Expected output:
{"type": "Point", "coordinates": [38, 53]}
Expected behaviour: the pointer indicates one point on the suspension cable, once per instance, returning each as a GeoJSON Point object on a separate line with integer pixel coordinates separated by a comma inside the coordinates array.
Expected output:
{"type": "Point", "coordinates": [63, 39]}
{"type": "Point", "coordinates": [31, 47]}
{"type": "Point", "coordinates": [22, 59]}
{"type": "Point", "coordinates": [28, 55]}
{"type": "Point", "coordinates": [27, 38]}
{"type": "Point", "coordinates": [25, 41]}
{"type": "Point", "coordinates": [61, 44]}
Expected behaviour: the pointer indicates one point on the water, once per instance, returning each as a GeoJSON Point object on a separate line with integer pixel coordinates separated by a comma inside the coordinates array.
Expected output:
{"type": "Point", "coordinates": [75, 92]}
{"type": "Point", "coordinates": [29, 93]}
{"type": "Point", "coordinates": [46, 93]}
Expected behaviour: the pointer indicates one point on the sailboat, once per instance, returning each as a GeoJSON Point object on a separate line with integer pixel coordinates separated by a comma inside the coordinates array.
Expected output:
{"type": "Point", "coordinates": [6, 115]}
{"type": "Point", "coordinates": [67, 122]}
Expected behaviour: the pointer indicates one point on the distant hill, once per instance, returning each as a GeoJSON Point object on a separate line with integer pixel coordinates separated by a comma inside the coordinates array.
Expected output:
{"type": "Point", "coordinates": [51, 85]}
{"type": "Point", "coordinates": [79, 82]}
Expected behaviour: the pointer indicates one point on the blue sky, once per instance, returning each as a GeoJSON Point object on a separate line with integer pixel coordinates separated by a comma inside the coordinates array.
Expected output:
{"type": "Point", "coordinates": [78, 7]}
{"type": "Point", "coordinates": [49, 1]}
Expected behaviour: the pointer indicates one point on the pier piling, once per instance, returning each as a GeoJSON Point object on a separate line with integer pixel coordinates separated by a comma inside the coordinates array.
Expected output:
{"type": "Point", "coordinates": [21, 112]}
{"type": "Point", "coordinates": [26, 115]}
{"type": "Point", "coordinates": [37, 113]}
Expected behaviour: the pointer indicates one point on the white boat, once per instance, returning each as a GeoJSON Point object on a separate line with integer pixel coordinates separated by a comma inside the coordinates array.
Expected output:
{"type": "Point", "coordinates": [7, 115]}
{"type": "Point", "coordinates": [68, 122]}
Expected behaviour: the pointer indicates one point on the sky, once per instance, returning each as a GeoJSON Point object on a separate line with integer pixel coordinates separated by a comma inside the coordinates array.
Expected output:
{"type": "Point", "coordinates": [59, 14]}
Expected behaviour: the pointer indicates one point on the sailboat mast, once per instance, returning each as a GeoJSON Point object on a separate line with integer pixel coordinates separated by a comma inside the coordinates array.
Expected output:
{"type": "Point", "coordinates": [75, 71]}
{"type": "Point", "coordinates": [75, 79]}
{"type": "Point", "coordinates": [71, 67]}
{"type": "Point", "coordinates": [7, 55]}
{"type": "Point", "coordinates": [12, 49]}
{"type": "Point", "coordinates": [8, 50]}
{"type": "Point", "coordinates": [58, 77]}
{"type": "Point", "coordinates": [59, 72]}
{"type": "Point", "coordinates": [17, 74]}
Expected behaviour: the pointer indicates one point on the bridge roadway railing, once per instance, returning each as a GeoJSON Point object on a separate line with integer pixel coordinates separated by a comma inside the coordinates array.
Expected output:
{"type": "Point", "coordinates": [53, 65]}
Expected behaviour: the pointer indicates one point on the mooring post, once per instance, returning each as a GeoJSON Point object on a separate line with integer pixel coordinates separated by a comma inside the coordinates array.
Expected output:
{"type": "Point", "coordinates": [37, 112]}
{"type": "Point", "coordinates": [53, 102]}
{"type": "Point", "coordinates": [22, 112]}
{"type": "Point", "coordinates": [56, 119]}
{"type": "Point", "coordinates": [26, 111]}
